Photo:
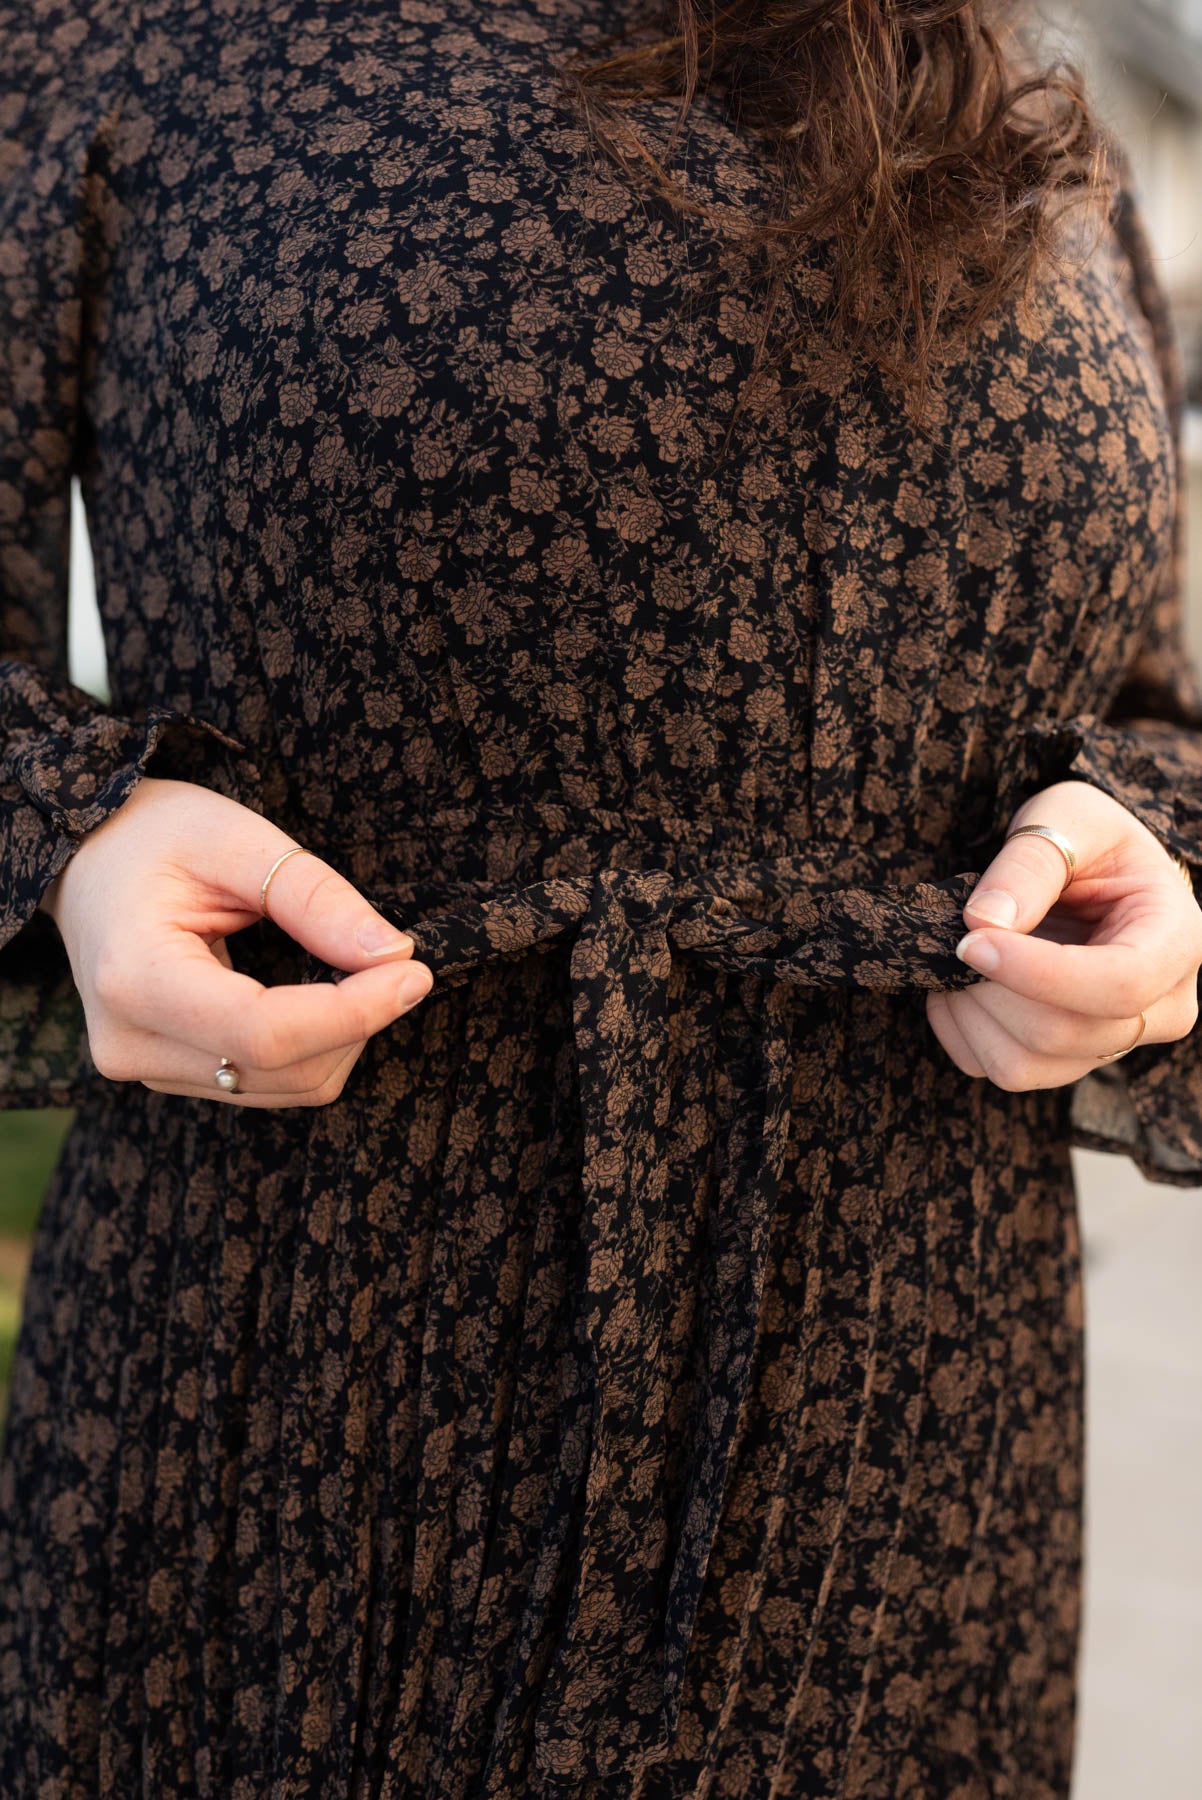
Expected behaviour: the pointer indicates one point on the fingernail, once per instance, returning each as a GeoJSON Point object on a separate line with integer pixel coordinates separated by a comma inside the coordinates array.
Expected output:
{"type": "Point", "coordinates": [994, 905]}
{"type": "Point", "coordinates": [978, 953]}
{"type": "Point", "coordinates": [413, 986]}
{"type": "Point", "coordinates": [377, 935]}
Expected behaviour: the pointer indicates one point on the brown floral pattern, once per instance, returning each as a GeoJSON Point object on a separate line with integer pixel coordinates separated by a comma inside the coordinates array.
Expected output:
{"type": "Point", "coordinates": [659, 1373]}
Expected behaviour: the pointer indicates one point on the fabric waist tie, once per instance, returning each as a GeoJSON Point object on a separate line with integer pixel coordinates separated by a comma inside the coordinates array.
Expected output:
{"type": "Point", "coordinates": [610, 1700]}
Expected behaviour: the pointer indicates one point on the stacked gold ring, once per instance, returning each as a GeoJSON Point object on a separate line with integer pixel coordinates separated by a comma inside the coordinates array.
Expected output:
{"type": "Point", "coordinates": [1062, 844]}
{"type": "Point", "coordinates": [1054, 837]}
{"type": "Point", "coordinates": [1070, 856]}
{"type": "Point", "coordinates": [296, 850]}
{"type": "Point", "coordinates": [1113, 1055]}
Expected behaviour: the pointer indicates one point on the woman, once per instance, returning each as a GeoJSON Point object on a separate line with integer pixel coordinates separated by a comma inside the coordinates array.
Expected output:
{"type": "Point", "coordinates": [651, 1365]}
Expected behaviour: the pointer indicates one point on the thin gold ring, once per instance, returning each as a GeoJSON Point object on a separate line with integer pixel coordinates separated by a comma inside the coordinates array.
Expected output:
{"type": "Point", "coordinates": [1054, 837]}
{"type": "Point", "coordinates": [296, 850]}
{"type": "Point", "coordinates": [1113, 1055]}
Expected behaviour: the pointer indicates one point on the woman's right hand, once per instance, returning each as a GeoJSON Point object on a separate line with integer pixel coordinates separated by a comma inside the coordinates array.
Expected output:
{"type": "Point", "coordinates": [144, 907]}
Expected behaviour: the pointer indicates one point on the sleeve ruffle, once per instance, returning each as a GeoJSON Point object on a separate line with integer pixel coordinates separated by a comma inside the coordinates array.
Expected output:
{"type": "Point", "coordinates": [1148, 1105]}
{"type": "Point", "coordinates": [68, 764]}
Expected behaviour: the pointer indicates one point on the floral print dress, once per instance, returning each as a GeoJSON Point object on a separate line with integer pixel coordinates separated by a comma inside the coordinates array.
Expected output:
{"type": "Point", "coordinates": [659, 1373]}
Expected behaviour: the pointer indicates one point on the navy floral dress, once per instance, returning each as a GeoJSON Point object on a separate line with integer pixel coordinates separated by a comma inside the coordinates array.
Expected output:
{"type": "Point", "coordinates": [659, 1373]}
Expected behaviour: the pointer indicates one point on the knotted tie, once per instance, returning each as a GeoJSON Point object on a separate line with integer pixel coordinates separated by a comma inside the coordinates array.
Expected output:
{"type": "Point", "coordinates": [611, 1696]}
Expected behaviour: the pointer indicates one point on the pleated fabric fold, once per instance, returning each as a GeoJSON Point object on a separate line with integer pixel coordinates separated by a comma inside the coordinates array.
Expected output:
{"type": "Point", "coordinates": [654, 1479]}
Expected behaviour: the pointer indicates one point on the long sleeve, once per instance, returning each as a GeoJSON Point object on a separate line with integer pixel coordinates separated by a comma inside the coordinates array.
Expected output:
{"type": "Point", "coordinates": [1145, 751]}
{"type": "Point", "coordinates": [66, 762]}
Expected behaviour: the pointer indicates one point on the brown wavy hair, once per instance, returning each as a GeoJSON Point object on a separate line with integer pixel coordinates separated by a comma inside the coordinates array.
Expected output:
{"type": "Point", "coordinates": [913, 141]}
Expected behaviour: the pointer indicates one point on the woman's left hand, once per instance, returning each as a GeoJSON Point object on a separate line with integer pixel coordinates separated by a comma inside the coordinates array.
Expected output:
{"type": "Point", "coordinates": [1068, 973]}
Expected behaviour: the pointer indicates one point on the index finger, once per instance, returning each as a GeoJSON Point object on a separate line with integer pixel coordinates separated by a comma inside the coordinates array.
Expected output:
{"type": "Point", "coordinates": [1107, 981]}
{"type": "Point", "coordinates": [184, 992]}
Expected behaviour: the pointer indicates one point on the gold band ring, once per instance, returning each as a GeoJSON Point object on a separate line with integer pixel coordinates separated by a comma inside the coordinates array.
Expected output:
{"type": "Point", "coordinates": [296, 850]}
{"type": "Point", "coordinates": [1062, 844]}
{"type": "Point", "coordinates": [1054, 837]}
{"type": "Point", "coordinates": [1113, 1055]}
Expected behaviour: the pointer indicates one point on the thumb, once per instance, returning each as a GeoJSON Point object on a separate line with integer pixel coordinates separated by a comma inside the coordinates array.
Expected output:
{"type": "Point", "coordinates": [1021, 884]}
{"type": "Point", "coordinates": [323, 911]}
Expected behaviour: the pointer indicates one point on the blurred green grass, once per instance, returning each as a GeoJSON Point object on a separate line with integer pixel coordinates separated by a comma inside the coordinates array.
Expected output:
{"type": "Point", "coordinates": [29, 1144]}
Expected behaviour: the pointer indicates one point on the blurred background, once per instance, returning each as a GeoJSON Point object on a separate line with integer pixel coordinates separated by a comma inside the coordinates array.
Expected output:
{"type": "Point", "coordinates": [1141, 1715]}
{"type": "Point", "coordinates": [1141, 1712]}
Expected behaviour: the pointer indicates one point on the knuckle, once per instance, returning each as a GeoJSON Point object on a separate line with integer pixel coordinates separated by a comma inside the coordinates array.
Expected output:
{"type": "Point", "coordinates": [328, 1091]}
{"type": "Point", "coordinates": [112, 1058]}
{"type": "Point", "coordinates": [1013, 1074]}
{"type": "Point", "coordinates": [262, 1045]}
{"type": "Point", "coordinates": [941, 1007]}
{"type": "Point", "coordinates": [1130, 995]}
{"type": "Point", "coordinates": [935, 1017]}
{"type": "Point", "coordinates": [111, 982]}
{"type": "Point", "coordinates": [303, 1077]}
{"type": "Point", "coordinates": [365, 1020]}
{"type": "Point", "coordinates": [335, 1073]}
{"type": "Point", "coordinates": [360, 1021]}
{"type": "Point", "coordinates": [1061, 1037]}
{"type": "Point", "coordinates": [316, 898]}
{"type": "Point", "coordinates": [1070, 1044]}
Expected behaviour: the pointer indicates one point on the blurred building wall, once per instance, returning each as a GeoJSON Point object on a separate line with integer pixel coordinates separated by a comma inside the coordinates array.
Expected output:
{"type": "Point", "coordinates": [1140, 1725]}
{"type": "Point", "coordinates": [1143, 60]}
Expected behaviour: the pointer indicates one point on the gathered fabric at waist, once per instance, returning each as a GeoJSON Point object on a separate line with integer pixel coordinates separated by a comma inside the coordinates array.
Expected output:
{"type": "Point", "coordinates": [623, 905]}
{"type": "Point", "coordinates": [470, 886]}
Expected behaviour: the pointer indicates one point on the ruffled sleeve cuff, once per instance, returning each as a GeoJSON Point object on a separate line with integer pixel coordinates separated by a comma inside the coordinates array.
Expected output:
{"type": "Point", "coordinates": [1147, 1106]}
{"type": "Point", "coordinates": [67, 765]}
